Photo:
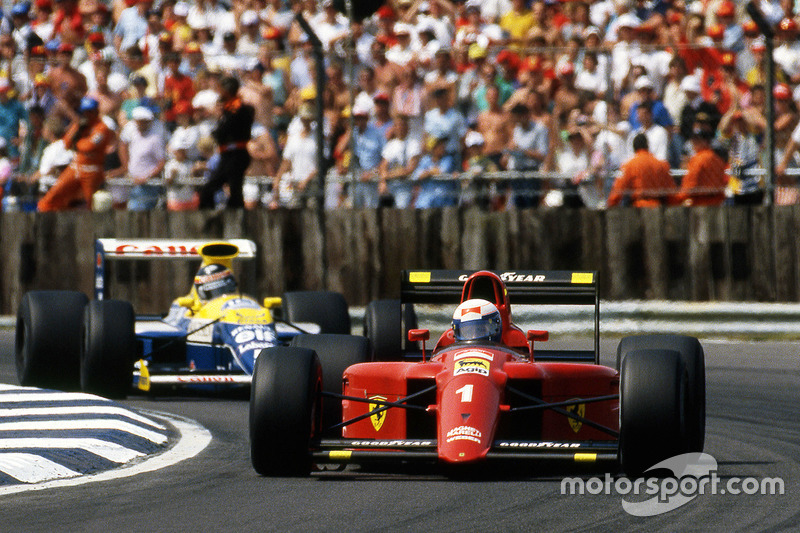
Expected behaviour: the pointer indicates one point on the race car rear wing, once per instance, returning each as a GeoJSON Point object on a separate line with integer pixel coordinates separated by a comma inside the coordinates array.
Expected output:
{"type": "Point", "coordinates": [529, 287]}
{"type": "Point", "coordinates": [154, 249]}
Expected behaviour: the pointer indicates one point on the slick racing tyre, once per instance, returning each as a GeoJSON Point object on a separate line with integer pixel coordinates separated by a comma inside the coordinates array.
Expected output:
{"type": "Point", "coordinates": [336, 353]}
{"type": "Point", "coordinates": [652, 407]}
{"type": "Point", "coordinates": [691, 352]}
{"type": "Point", "coordinates": [326, 308]}
{"type": "Point", "coordinates": [386, 325]}
{"type": "Point", "coordinates": [284, 410]}
{"type": "Point", "coordinates": [48, 339]}
{"type": "Point", "coordinates": [108, 349]}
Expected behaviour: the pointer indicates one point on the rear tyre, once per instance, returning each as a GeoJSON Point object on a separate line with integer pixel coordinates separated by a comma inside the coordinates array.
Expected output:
{"type": "Point", "coordinates": [384, 327]}
{"type": "Point", "coordinates": [691, 352]}
{"type": "Point", "coordinates": [652, 408]}
{"type": "Point", "coordinates": [284, 411]}
{"type": "Point", "coordinates": [109, 348]}
{"type": "Point", "coordinates": [326, 308]}
{"type": "Point", "coordinates": [48, 339]}
{"type": "Point", "coordinates": [336, 353]}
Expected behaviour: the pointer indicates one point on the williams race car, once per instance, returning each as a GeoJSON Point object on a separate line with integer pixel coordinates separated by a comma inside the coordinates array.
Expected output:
{"type": "Point", "coordinates": [208, 340]}
{"type": "Point", "coordinates": [483, 393]}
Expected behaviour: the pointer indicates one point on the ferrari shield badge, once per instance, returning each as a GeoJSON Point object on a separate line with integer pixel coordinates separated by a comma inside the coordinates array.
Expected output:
{"type": "Point", "coordinates": [377, 418]}
{"type": "Point", "coordinates": [580, 410]}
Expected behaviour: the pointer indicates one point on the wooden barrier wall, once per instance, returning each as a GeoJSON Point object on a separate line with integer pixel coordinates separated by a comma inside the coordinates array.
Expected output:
{"type": "Point", "coordinates": [727, 253]}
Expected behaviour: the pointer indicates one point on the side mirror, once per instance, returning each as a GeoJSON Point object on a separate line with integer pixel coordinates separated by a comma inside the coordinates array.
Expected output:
{"type": "Point", "coordinates": [271, 302]}
{"type": "Point", "coordinates": [415, 335]}
{"type": "Point", "coordinates": [185, 301]}
{"type": "Point", "coordinates": [538, 335]}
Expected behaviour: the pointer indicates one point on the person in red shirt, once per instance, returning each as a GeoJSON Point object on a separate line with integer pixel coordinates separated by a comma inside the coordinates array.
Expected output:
{"type": "Point", "coordinates": [178, 87]}
{"type": "Point", "coordinates": [88, 137]}
{"type": "Point", "coordinates": [705, 179]}
{"type": "Point", "coordinates": [645, 179]}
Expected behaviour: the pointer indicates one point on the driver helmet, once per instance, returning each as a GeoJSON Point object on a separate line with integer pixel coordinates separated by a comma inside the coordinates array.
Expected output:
{"type": "Point", "coordinates": [214, 280]}
{"type": "Point", "coordinates": [477, 319]}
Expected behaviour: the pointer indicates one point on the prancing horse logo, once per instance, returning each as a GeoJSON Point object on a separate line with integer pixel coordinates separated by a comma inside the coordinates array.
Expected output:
{"type": "Point", "coordinates": [580, 410]}
{"type": "Point", "coordinates": [378, 418]}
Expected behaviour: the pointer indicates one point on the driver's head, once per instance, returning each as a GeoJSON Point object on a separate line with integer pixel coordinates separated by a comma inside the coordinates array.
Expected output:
{"type": "Point", "coordinates": [214, 280]}
{"type": "Point", "coordinates": [477, 319]}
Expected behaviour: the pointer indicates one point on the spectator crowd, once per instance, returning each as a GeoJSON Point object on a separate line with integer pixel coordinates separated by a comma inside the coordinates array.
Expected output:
{"type": "Point", "coordinates": [497, 103]}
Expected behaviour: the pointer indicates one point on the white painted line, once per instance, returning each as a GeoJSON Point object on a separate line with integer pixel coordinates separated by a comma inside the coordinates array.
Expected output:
{"type": "Point", "coordinates": [49, 397]}
{"type": "Point", "coordinates": [194, 438]}
{"type": "Point", "coordinates": [79, 410]}
{"type": "Point", "coordinates": [92, 423]}
{"type": "Point", "coordinates": [30, 468]}
{"type": "Point", "coordinates": [107, 450]}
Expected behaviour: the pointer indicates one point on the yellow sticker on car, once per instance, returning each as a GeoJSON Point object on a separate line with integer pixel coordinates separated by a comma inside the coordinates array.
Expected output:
{"type": "Point", "coordinates": [419, 277]}
{"type": "Point", "coordinates": [582, 277]}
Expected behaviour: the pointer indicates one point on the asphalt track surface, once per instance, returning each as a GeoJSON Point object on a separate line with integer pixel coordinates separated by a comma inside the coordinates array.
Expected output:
{"type": "Point", "coordinates": [752, 431]}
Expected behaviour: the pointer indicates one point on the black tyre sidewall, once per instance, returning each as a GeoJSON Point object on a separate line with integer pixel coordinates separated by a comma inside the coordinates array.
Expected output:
{"type": "Point", "coordinates": [652, 408]}
{"type": "Point", "coordinates": [48, 339]}
{"type": "Point", "coordinates": [284, 410]}
{"type": "Point", "coordinates": [693, 357]}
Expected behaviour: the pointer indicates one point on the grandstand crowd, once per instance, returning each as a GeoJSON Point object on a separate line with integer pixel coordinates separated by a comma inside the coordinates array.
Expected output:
{"type": "Point", "coordinates": [427, 103]}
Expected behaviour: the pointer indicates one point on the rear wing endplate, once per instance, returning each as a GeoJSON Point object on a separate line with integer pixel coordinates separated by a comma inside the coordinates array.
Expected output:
{"type": "Point", "coordinates": [154, 249]}
{"type": "Point", "coordinates": [529, 287]}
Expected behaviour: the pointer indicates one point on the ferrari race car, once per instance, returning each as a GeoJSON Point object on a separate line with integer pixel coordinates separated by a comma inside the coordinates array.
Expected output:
{"type": "Point", "coordinates": [483, 393]}
{"type": "Point", "coordinates": [208, 340]}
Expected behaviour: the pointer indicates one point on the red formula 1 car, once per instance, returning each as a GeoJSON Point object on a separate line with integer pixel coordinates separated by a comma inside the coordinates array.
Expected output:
{"type": "Point", "coordinates": [483, 393]}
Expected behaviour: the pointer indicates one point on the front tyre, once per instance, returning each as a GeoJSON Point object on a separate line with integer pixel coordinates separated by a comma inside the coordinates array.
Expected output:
{"type": "Point", "coordinates": [652, 409]}
{"type": "Point", "coordinates": [109, 348]}
{"type": "Point", "coordinates": [48, 339]}
{"type": "Point", "coordinates": [284, 410]}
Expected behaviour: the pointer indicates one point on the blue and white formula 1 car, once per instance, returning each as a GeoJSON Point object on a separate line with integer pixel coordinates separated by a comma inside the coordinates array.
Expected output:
{"type": "Point", "coordinates": [209, 339]}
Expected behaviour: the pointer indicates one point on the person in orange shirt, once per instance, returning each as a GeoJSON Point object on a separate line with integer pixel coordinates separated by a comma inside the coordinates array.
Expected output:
{"type": "Point", "coordinates": [705, 179]}
{"type": "Point", "coordinates": [645, 180]}
{"type": "Point", "coordinates": [89, 137]}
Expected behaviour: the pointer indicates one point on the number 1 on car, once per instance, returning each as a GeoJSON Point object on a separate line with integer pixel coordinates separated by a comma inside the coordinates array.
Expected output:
{"type": "Point", "coordinates": [466, 393]}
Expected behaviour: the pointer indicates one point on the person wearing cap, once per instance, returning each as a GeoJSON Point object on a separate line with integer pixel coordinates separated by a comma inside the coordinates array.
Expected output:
{"type": "Point", "coordinates": [443, 121]}
{"type": "Point", "coordinates": [435, 175]}
{"type": "Point", "coordinates": [232, 133]}
{"type": "Point", "coordinates": [138, 98]}
{"type": "Point", "coordinates": [41, 95]}
{"type": "Point", "coordinates": [251, 38]}
{"type": "Point", "coordinates": [332, 27]}
{"type": "Point", "coordinates": [645, 181]}
{"type": "Point", "coordinates": [743, 141]}
{"type": "Point", "coordinates": [381, 118]}
{"type": "Point", "coordinates": [399, 158]}
{"type": "Point", "coordinates": [475, 188]}
{"type": "Point", "coordinates": [705, 180]}
{"type": "Point", "coordinates": [68, 22]}
{"type": "Point", "coordinates": [181, 196]}
{"type": "Point", "coordinates": [143, 155]}
{"type": "Point", "coordinates": [646, 93]}
{"type": "Point", "coordinates": [12, 115]}
{"type": "Point", "coordinates": [695, 104]}
{"type": "Point", "coordinates": [367, 144]}
{"type": "Point", "coordinates": [402, 52]}
{"type": "Point", "coordinates": [89, 137]}
{"type": "Point", "coordinates": [787, 49]}
{"type": "Point", "coordinates": [42, 23]}
{"type": "Point", "coordinates": [298, 166]}
{"type": "Point", "coordinates": [21, 21]}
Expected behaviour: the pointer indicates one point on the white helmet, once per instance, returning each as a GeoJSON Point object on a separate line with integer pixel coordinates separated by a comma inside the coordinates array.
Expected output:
{"type": "Point", "coordinates": [477, 319]}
